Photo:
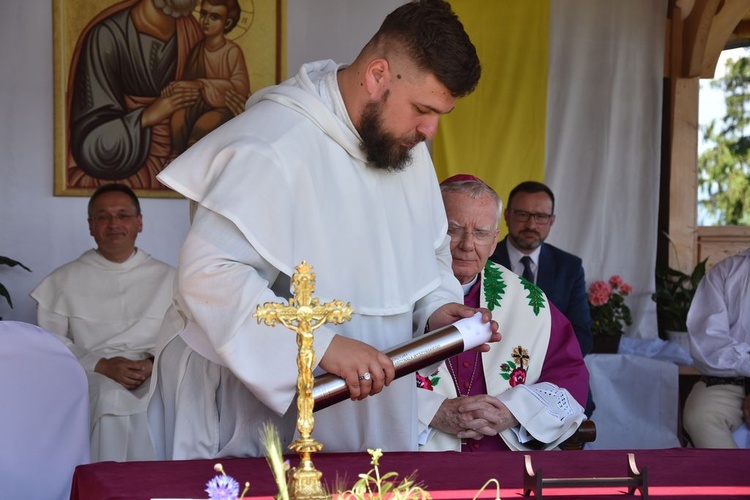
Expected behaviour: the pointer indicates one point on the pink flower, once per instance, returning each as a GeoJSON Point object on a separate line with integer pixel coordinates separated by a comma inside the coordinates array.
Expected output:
{"type": "Point", "coordinates": [616, 281]}
{"type": "Point", "coordinates": [608, 308]}
{"type": "Point", "coordinates": [599, 293]}
{"type": "Point", "coordinates": [423, 382]}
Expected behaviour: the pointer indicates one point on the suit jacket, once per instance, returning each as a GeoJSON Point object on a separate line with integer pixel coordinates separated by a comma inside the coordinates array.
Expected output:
{"type": "Point", "coordinates": [560, 276]}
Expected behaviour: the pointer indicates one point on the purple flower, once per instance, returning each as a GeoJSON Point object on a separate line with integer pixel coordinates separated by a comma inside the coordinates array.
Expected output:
{"type": "Point", "coordinates": [223, 488]}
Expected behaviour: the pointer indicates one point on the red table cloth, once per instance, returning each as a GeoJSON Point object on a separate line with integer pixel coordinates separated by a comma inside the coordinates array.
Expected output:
{"type": "Point", "coordinates": [683, 473]}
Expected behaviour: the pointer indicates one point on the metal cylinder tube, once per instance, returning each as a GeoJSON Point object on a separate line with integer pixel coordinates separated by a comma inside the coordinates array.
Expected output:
{"type": "Point", "coordinates": [407, 358]}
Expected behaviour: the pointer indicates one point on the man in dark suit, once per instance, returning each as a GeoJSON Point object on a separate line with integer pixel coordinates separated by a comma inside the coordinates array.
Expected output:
{"type": "Point", "coordinates": [529, 215]}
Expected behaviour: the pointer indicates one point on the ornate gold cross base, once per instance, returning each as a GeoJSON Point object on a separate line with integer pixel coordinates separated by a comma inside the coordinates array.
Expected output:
{"type": "Point", "coordinates": [305, 482]}
{"type": "Point", "coordinates": [304, 315]}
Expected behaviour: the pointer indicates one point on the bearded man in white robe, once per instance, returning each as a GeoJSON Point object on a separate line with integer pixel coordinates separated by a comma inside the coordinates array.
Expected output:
{"type": "Point", "coordinates": [107, 307]}
{"type": "Point", "coordinates": [329, 167]}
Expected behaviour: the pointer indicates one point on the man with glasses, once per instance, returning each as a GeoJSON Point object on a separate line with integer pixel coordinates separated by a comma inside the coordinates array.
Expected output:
{"type": "Point", "coordinates": [529, 215]}
{"type": "Point", "coordinates": [107, 307]}
{"type": "Point", "coordinates": [527, 392]}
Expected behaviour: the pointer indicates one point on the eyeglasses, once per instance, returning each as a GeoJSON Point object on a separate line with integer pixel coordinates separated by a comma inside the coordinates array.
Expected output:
{"type": "Point", "coordinates": [482, 236]}
{"type": "Point", "coordinates": [107, 218]}
{"type": "Point", "coordinates": [523, 216]}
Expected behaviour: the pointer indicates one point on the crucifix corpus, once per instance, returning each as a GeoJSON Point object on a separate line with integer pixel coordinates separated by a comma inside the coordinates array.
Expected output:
{"type": "Point", "coordinates": [304, 314]}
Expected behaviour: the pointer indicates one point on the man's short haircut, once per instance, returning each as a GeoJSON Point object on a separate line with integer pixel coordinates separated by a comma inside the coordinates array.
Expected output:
{"type": "Point", "coordinates": [115, 188]}
{"type": "Point", "coordinates": [435, 40]}
{"type": "Point", "coordinates": [531, 187]}
{"type": "Point", "coordinates": [473, 188]}
{"type": "Point", "coordinates": [233, 11]}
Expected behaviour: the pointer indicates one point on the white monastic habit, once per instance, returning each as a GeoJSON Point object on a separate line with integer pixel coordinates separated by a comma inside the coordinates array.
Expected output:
{"type": "Point", "coordinates": [284, 182]}
{"type": "Point", "coordinates": [519, 370]}
{"type": "Point", "coordinates": [102, 309]}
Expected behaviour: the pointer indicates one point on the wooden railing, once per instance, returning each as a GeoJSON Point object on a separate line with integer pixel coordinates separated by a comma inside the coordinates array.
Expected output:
{"type": "Point", "coordinates": [716, 243]}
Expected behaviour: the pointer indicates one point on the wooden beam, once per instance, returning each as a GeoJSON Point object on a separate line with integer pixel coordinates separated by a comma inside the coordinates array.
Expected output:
{"type": "Point", "coordinates": [697, 28]}
{"type": "Point", "coordinates": [684, 175]}
{"type": "Point", "coordinates": [724, 23]}
{"type": "Point", "coordinates": [742, 30]}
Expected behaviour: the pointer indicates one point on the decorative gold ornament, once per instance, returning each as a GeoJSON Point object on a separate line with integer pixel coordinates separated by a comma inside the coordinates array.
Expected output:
{"type": "Point", "coordinates": [304, 315]}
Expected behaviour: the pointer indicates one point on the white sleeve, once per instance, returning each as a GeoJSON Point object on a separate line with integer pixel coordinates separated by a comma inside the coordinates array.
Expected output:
{"type": "Point", "coordinates": [428, 404]}
{"type": "Point", "coordinates": [715, 346]}
{"type": "Point", "coordinates": [221, 280]}
{"type": "Point", "coordinates": [59, 325]}
{"type": "Point", "coordinates": [545, 412]}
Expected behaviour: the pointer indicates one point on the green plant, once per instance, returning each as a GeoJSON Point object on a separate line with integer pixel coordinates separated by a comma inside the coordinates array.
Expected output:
{"type": "Point", "coordinates": [673, 295]}
{"type": "Point", "coordinates": [371, 485]}
{"type": "Point", "coordinates": [609, 311]}
{"type": "Point", "coordinates": [5, 261]}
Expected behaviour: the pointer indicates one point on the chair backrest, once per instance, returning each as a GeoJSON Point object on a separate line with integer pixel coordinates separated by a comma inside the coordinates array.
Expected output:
{"type": "Point", "coordinates": [586, 433]}
{"type": "Point", "coordinates": [44, 414]}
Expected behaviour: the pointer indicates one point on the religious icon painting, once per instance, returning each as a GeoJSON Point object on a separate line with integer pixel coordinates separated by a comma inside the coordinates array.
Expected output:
{"type": "Point", "coordinates": [137, 82]}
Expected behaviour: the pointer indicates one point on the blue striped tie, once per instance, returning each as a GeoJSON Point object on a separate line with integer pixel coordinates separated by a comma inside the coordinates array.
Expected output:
{"type": "Point", "coordinates": [528, 274]}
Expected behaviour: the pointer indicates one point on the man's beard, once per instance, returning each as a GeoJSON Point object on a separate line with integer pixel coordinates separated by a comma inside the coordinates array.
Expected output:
{"type": "Point", "coordinates": [383, 150]}
{"type": "Point", "coordinates": [176, 8]}
{"type": "Point", "coordinates": [525, 244]}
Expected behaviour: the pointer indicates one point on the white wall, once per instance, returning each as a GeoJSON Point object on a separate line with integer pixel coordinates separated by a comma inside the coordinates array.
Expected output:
{"type": "Point", "coordinates": [44, 231]}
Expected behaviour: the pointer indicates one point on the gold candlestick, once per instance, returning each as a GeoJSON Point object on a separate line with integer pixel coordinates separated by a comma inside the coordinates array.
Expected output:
{"type": "Point", "coordinates": [304, 315]}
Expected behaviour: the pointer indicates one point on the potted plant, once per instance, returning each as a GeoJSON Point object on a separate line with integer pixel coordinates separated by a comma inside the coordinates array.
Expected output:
{"type": "Point", "coordinates": [5, 261]}
{"type": "Point", "coordinates": [609, 312]}
{"type": "Point", "coordinates": [673, 296]}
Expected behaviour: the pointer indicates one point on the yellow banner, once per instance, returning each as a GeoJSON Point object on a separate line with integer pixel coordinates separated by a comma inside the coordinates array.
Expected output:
{"type": "Point", "coordinates": [498, 132]}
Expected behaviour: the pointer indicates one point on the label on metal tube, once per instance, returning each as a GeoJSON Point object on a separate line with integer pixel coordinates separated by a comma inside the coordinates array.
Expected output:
{"type": "Point", "coordinates": [473, 331]}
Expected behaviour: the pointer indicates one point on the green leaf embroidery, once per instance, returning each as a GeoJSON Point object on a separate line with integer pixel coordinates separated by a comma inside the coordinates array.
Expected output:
{"type": "Point", "coordinates": [494, 285]}
{"type": "Point", "coordinates": [535, 296]}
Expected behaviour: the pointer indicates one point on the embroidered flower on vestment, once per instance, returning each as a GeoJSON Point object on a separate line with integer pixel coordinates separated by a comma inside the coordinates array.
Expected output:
{"type": "Point", "coordinates": [514, 371]}
{"type": "Point", "coordinates": [520, 356]}
{"type": "Point", "coordinates": [518, 376]}
{"type": "Point", "coordinates": [428, 382]}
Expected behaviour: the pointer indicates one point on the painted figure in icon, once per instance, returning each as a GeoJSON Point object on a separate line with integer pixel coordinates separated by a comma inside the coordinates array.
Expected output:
{"type": "Point", "coordinates": [216, 69]}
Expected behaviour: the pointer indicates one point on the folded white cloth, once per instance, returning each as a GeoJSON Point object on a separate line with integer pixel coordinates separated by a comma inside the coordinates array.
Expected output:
{"type": "Point", "coordinates": [742, 436]}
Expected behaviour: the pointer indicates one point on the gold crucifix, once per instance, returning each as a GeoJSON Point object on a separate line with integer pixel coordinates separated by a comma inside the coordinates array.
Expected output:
{"type": "Point", "coordinates": [304, 315]}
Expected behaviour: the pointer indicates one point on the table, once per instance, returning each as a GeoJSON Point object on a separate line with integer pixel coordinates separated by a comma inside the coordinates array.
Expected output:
{"type": "Point", "coordinates": [675, 473]}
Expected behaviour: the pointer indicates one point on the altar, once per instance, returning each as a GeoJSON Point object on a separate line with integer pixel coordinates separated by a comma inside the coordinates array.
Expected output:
{"type": "Point", "coordinates": [676, 473]}
{"type": "Point", "coordinates": [664, 473]}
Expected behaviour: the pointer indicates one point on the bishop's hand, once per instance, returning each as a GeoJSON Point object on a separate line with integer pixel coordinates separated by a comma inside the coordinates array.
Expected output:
{"type": "Point", "coordinates": [451, 312]}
